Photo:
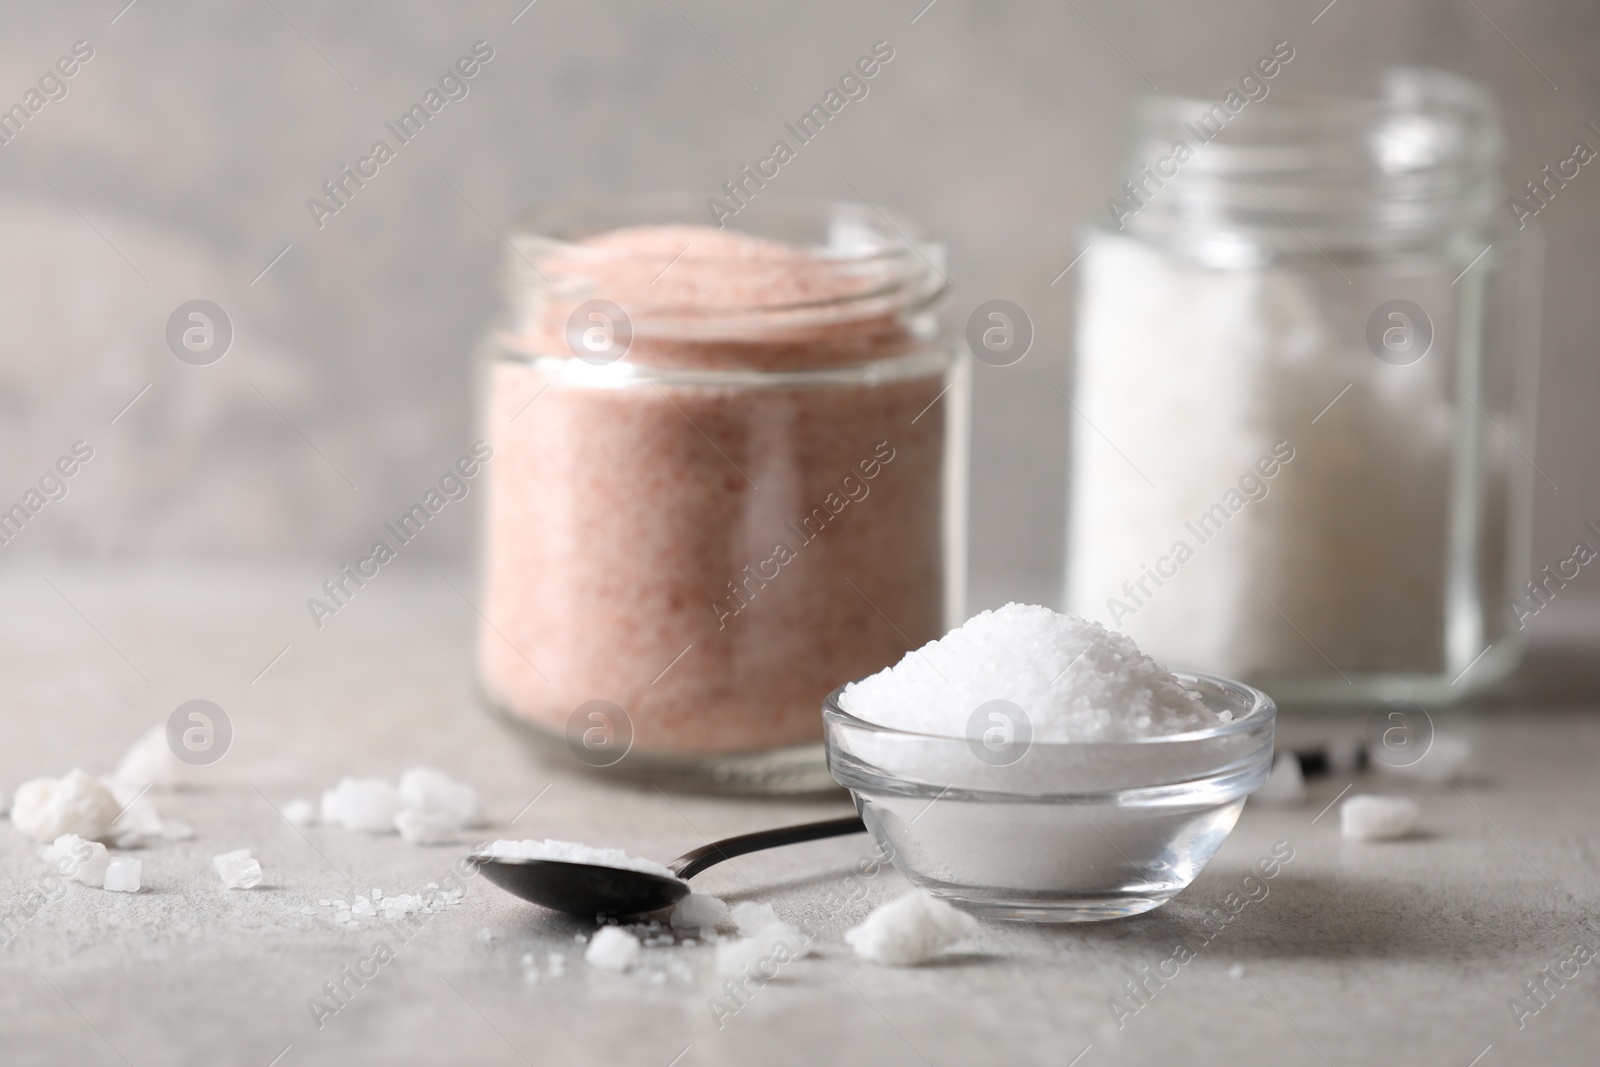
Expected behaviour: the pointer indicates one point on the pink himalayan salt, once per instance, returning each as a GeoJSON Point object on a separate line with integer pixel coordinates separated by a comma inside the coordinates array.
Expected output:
{"type": "Point", "coordinates": [618, 517]}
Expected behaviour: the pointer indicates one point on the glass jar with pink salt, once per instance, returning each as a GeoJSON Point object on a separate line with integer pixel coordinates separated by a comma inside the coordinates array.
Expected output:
{"type": "Point", "coordinates": [728, 477]}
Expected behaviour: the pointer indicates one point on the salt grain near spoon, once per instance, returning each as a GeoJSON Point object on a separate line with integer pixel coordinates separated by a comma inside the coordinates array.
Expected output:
{"type": "Point", "coordinates": [594, 891]}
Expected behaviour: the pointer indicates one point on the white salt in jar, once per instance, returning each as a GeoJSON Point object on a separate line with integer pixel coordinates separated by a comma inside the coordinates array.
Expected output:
{"type": "Point", "coordinates": [728, 477]}
{"type": "Point", "coordinates": [1304, 386]}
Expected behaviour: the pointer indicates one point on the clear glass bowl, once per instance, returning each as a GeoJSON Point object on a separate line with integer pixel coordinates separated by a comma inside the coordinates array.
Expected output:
{"type": "Point", "coordinates": [1059, 832]}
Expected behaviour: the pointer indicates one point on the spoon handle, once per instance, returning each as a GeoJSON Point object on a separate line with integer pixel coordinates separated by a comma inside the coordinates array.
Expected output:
{"type": "Point", "coordinates": [692, 863]}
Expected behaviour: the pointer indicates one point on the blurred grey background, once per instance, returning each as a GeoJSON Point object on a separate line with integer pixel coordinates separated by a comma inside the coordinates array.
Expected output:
{"type": "Point", "coordinates": [179, 163]}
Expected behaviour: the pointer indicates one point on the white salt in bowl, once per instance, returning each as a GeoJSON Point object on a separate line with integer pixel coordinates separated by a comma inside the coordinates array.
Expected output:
{"type": "Point", "coordinates": [1050, 831]}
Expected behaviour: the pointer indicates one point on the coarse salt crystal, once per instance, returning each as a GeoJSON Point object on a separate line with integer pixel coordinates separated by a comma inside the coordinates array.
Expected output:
{"type": "Point", "coordinates": [911, 930]}
{"type": "Point", "coordinates": [80, 860]}
{"type": "Point", "coordinates": [1285, 786]}
{"type": "Point", "coordinates": [300, 812]}
{"type": "Point", "coordinates": [122, 874]}
{"type": "Point", "coordinates": [237, 869]}
{"type": "Point", "coordinates": [698, 911]}
{"type": "Point", "coordinates": [613, 949]}
{"type": "Point", "coordinates": [365, 804]}
{"type": "Point", "coordinates": [76, 803]}
{"type": "Point", "coordinates": [1442, 763]}
{"type": "Point", "coordinates": [149, 761]}
{"type": "Point", "coordinates": [1073, 679]}
{"type": "Point", "coordinates": [1366, 817]}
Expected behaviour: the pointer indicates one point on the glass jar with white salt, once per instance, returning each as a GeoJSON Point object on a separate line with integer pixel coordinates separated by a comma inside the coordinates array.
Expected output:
{"type": "Point", "coordinates": [1303, 392]}
{"type": "Point", "coordinates": [727, 477]}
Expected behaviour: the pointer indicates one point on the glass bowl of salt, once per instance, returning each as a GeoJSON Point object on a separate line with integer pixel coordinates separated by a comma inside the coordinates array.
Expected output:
{"type": "Point", "coordinates": [1034, 766]}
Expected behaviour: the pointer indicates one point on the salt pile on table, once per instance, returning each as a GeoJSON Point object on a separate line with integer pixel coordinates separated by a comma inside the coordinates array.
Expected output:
{"type": "Point", "coordinates": [46, 808]}
{"type": "Point", "coordinates": [431, 792]}
{"type": "Point", "coordinates": [768, 944]}
{"type": "Point", "coordinates": [573, 852]}
{"type": "Point", "coordinates": [237, 869]}
{"type": "Point", "coordinates": [427, 808]}
{"type": "Point", "coordinates": [365, 804]}
{"type": "Point", "coordinates": [911, 930]}
{"type": "Point", "coordinates": [1376, 818]}
{"type": "Point", "coordinates": [613, 949]}
{"type": "Point", "coordinates": [698, 911]}
{"type": "Point", "coordinates": [1075, 680]}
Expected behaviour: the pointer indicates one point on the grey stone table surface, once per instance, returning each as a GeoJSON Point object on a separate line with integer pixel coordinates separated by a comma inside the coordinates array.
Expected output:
{"type": "Point", "coordinates": [1409, 952]}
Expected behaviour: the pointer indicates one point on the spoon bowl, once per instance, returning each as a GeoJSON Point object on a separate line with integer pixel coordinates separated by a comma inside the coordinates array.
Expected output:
{"type": "Point", "coordinates": [595, 891]}
{"type": "Point", "coordinates": [582, 888]}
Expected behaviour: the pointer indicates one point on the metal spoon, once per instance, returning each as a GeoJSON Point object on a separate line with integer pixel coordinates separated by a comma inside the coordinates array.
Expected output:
{"type": "Point", "coordinates": [593, 891]}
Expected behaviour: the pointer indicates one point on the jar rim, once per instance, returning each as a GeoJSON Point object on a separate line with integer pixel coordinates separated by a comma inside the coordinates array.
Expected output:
{"type": "Point", "coordinates": [899, 263]}
{"type": "Point", "coordinates": [1414, 160]}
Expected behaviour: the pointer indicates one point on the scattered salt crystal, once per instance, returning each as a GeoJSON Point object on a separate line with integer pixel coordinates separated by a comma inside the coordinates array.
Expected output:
{"type": "Point", "coordinates": [400, 906]}
{"type": "Point", "coordinates": [76, 803]}
{"type": "Point", "coordinates": [377, 894]}
{"type": "Point", "coordinates": [80, 860]}
{"type": "Point", "coordinates": [325, 903]}
{"type": "Point", "coordinates": [485, 936]}
{"type": "Point", "coordinates": [910, 930]}
{"type": "Point", "coordinates": [1378, 818]}
{"type": "Point", "coordinates": [433, 885]}
{"type": "Point", "coordinates": [237, 869]}
{"type": "Point", "coordinates": [1074, 680]}
{"type": "Point", "coordinates": [340, 904]}
{"type": "Point", "coordinates": [300, 812]}
{"type": "Point", "coordinates": [613, 949]}
{"type": "Point", "coordinates": [1285, 786]}
{"type": "Point", "coordinates": [342, 915]}
{"type": "Point", "coordinates": [308, 910]}
{"type": "Point", "coordinates": [122, 874]}
{"type": "Point", "coordinates": [766, 950]}
{"type": "Point", "coordinates": [580, 938]}
{"type": "Point", "coordinates": [364, 908]}
{"type": "Point", "coordinates": [430, 792]}
{"type": "Point", "coordinates": [698, 911]}
{"type": "Point", "coordinates": [1236, 971]}
{"type": "Point", "coordinates": [424, 828]}
{"type": "Point", "coordinates": [749, 916]}
{"type": "Point", "coordinates": [572, 852]}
